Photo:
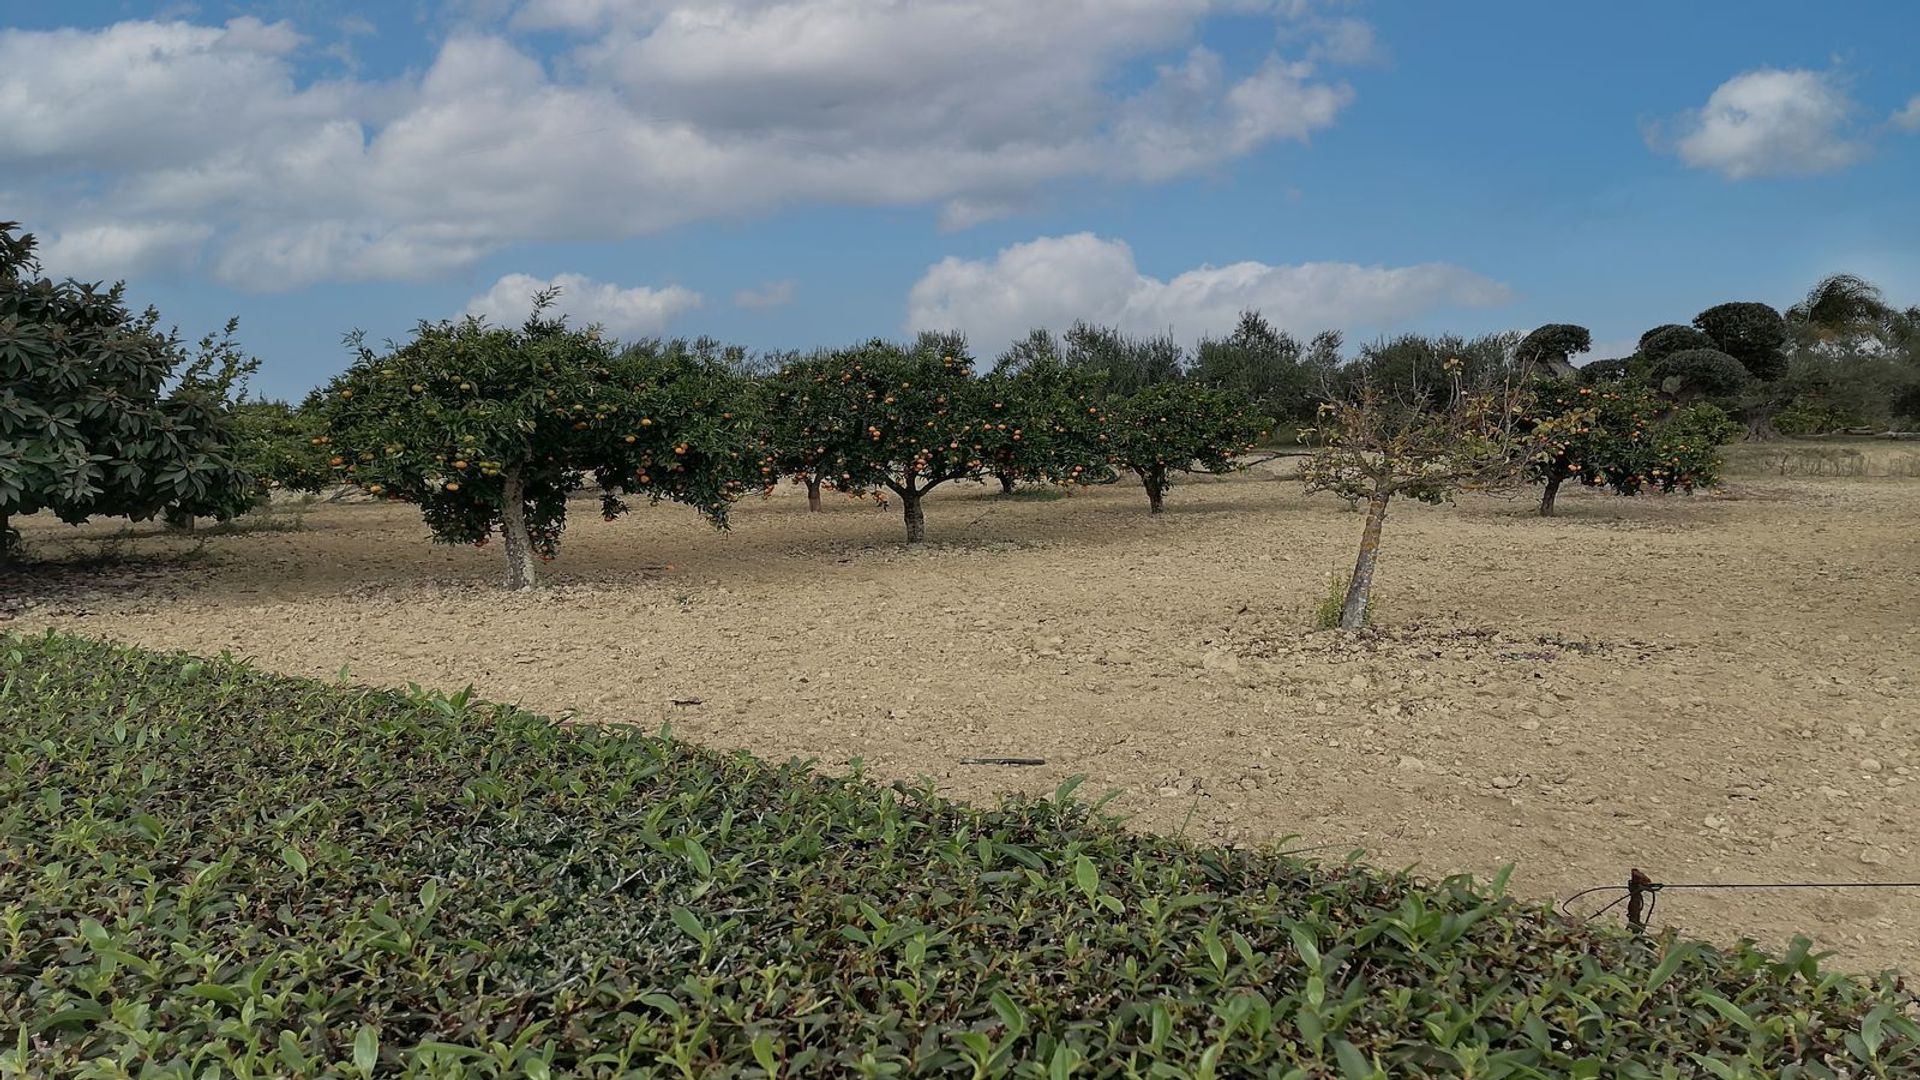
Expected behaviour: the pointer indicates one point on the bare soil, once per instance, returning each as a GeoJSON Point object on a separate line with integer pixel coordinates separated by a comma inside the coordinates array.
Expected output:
{"type": "Point", "coordinates": [1716, 688]}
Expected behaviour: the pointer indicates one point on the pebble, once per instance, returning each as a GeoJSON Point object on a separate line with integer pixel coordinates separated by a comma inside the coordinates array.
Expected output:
{"type": "Point", "coordinates": [1869, 765]}
{"type": "Point", "coordinates": [1874, 856]}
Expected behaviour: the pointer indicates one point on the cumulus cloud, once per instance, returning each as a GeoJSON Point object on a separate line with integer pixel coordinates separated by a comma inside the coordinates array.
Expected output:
{"type": "Point", "coordinates": [1771, 122]}
{"type": "Point", "coordinates": [771, 295]}
{"type": "Point", "coordinates": [626, 312]}
{"type": "Point", "coordinates": [1908, 117]}
{"type": "Point", "coordinates": [114, 251]}
{"type": "Point", "coordinates": [1052, 281]}
{"type": "Point", "coordinates": [653, 114]}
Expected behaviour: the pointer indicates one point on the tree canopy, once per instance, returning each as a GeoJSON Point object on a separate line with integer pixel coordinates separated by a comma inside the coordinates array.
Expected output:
{"type": "Point", "coordinates": [489, 428]}
{"type": "Point", "coordinates": [104, 414]}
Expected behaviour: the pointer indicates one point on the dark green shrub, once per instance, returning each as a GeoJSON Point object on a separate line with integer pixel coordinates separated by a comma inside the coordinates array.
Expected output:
{"type": "Point", "coordinates": [205, 870]}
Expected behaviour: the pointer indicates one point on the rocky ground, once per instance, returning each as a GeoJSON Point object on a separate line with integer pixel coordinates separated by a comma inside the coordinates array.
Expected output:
{"type": "Point", "coordinates": [1717, 688]}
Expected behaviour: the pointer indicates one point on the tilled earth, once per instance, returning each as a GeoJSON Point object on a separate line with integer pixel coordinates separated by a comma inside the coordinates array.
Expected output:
{"type": "Point", "coordinates": [1712, 689]}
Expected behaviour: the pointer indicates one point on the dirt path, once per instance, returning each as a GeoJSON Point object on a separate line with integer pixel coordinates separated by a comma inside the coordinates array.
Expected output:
{"type": "Point", "coordinates": [1716, 688]}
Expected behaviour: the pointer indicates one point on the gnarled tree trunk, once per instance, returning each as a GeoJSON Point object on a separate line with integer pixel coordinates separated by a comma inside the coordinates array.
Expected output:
{"type": "Point", "coordinates": [1760, 425]}
{"type": "Point", "coordinates": [1353, 613]}
{"type": "Point", "coordinates": [1006, 482]}
{"type": "Point", "coordinates": [513, 527]}
{"type": "Point", "coordinates": [813, 494]}
{"type": "Point", "coordinates": [1547, 496]}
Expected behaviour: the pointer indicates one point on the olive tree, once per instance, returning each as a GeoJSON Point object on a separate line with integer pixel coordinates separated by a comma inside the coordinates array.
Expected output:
{"type": "Point", "coordinates": [489, 428]}
{"type": "Point", "coordinates": [1550, 349]}
{"type": "Point", "coordinates": [104, 414]}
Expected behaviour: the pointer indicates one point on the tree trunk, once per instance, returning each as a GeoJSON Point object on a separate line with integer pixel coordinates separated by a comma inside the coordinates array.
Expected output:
{"type": "Point", "coordinates": [1155, 481]}
{"type": "Point", "coordinates": [1006, 482]}
{"type": "Point", "coordinates": [916, 517]}
{"type": "Point", "coordinates": [813, 494]}
{"type": "Point", "coordinates": [513, 528]}
{"type": "Point", "coordinates": [7, 546]}
{"type": "Point", "coordinates": [1353, 614]}
{"type": "Point", "coordinates": [1760, 425]}
{"type": "Point", "coordinates": [1546, 497]}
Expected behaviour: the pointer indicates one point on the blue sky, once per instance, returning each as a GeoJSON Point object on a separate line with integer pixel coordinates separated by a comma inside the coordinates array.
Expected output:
{"type": "Point", "coordinates": [811, 172]}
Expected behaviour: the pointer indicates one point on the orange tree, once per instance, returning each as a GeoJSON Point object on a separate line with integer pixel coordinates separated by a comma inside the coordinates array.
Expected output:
{"type": "Point", "coordinates": [1623, 436]}
{"type": "Point", "coordinates": [102, 412]}
{"type": "Point", "coordinates": [1422, 443]}
{"type": "Point", "coordinates": [1045, 419]}
{"type": "Point", "coordinates": [1180, 427]}
{"type": "Point", "coordinates": [881, 416]}
{"type": "Point", "coordinates": [489, 428]}
{"type": "Point", "coordinates": [282, 446]}
{"type": "Point", "coordinates": [801, 408]}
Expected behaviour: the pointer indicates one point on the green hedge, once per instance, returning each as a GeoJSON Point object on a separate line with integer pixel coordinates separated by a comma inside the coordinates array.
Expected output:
{"type": "Point", "coordinates": [207, 870]}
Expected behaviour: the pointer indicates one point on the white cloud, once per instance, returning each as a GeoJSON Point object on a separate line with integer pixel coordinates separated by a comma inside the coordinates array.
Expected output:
{"type": "Point", "coordinates": [771, 295]}
{"type": "Point", "coordinates": [113, 251]}
{"type": "Point", "coordinates": [629, 313]}
{"type": "Point", "coordinates": [1052, 281]}
{"type": "Point", "coordinates": [1770, 122]}
{"type": "Point", "coordinates": [659, 112]}
{"type": "Point", "coordinates": [1908, 117]}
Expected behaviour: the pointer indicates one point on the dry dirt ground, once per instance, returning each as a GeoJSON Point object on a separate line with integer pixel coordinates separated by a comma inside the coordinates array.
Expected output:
{"type": "Point", "coordinates": [1717, 688]}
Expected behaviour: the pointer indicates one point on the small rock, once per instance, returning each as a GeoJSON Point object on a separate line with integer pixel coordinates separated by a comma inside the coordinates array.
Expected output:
{"type": "Point", "coordinates": [1715, 822]}
{"type": "Point", "coordinates": [1530, 725]}
{"type": "Point", "coordinates": [1358, 682]}
{"type": "Point", "coordinates": [1869, 765]}
{"type": "Point", "coordinates": [1874, 856]}
{"type": "Point", "coordinates": [1505, 782]}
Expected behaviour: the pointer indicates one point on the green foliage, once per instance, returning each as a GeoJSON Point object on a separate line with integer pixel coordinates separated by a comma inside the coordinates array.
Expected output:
{"type": "Point", "coordinates": [1123, 365]}
{"type": "Point", "coordinates": [104, 414]}
{"type": "Point", "coordinates": [1623, 436]}
{"type": "Point", "coordinates": [1553, 344]}
{"type": "Point", "coordinates": [1268, 367]}
{"type": "Point", "coordinates": [1754, 334]}
{"type": "Point", "coordinates": [451, 419]}
{"type": "Point", "coordinates": [1597, 372]}
{"type": "Point", "coordinates": [1414, 365]}
{"type": "Point", "coordinates": [206, 870]}
{"type": "Point", "coordinates": [281, 446]}
{"type": "Point", "coordinates": [1693, 374]}
{"type": "Point", "coordinates": [881, 417]}
{"type": "Point", "coordinates": [1843, 308]}
{"type": "Point", "coordinates": [1045, 421]}
{"type": "Point", "coordinates": [1663, 341]}
{"type": "Point", "coordinates": [1180, 427]}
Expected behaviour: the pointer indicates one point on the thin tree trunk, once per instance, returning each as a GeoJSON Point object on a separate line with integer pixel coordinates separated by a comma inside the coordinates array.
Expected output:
{"type": "Point", "coordinates": [1155, 480]}
{"type": "Point", "coordinates": [1353, 614]}
{"type": "Point", "coordinates": [916, 517]}
{"type": "Point", "coordinates": [6, 539]}
{"type": "Point", "coordinates": [1006, 482]}
{"type": "Point", "coordinates": [1546, 497]}
{"type": "Point", "coordinates": [513, 528]}
{"type": "Point", "coordinates": [813, 494]}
